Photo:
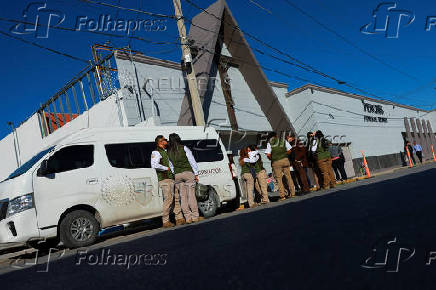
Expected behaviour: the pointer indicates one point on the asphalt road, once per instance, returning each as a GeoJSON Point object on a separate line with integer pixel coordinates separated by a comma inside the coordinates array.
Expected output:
{"type": "Point", "coordinates": [320, 241]}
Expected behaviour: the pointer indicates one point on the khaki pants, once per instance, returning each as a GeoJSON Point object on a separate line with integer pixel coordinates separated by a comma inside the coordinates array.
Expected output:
{"type": "Point", "coordinates": [298, 167]}
{"type": "Point", "coordinates": [280, 168]}
{"type": "Point", "coordinates": [171, 200]}
{"type": "Point", "coordinates": [249, 187]}
{"type": "Point", "coordinates": [328, 176]}
{"type": "Point", "coordinates": [185, 186]}
{"type": "Point", "coordinates": [262, 185]}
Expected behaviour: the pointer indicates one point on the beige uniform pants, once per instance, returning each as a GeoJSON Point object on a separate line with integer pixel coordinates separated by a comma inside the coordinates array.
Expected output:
{"type": "Point", "coordinates": [329, 179]}
{"type": "Point", "coordinates": [185, 186]}
{"type": "Point", "coordinates": [283, 167]}
{"type": "Point", "coordinates": [262, 185]}
{"type": "Point", "coordinates": [171, 200]}
{"type": "Point", "coordinates": [249, 187]}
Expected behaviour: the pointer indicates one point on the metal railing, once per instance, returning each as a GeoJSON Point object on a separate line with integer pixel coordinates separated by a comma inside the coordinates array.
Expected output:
{"type": "Point", "coordinates": [93, 84]}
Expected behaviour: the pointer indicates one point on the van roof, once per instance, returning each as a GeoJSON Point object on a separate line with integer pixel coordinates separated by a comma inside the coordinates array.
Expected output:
{"type": "Point", "coordinates": [137, 133]}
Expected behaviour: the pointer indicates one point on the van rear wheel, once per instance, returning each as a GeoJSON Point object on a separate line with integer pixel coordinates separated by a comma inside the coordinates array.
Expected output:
{"type": "Point", "coordinates": [79, 229]}
{"type": "Point", "coordinates": [209, 207]}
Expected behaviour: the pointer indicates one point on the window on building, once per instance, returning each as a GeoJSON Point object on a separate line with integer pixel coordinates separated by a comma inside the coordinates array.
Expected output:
{"type": "Point", "coordinates": [71, 158]}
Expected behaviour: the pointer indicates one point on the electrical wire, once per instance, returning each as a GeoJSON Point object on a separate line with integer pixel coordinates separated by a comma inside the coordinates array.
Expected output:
{"type": "Point", "coordinates": [149, 41]}
{"type": "Point", "coordinates": [44, 47]}
{"type": "Point", "coordinates": [299, 63]}
{"type": "Point", "coordinates": [130, 9]}
{"type": "Point", "coordinates": [349, 42]}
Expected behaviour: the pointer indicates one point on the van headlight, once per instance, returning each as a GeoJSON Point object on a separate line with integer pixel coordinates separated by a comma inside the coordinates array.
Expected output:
{"type": "Point", "coordinates": [20, 204]}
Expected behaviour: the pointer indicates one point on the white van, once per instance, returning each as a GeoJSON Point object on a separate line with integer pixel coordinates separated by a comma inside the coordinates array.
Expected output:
{"type": "Point", "coordinates": [98, 178]}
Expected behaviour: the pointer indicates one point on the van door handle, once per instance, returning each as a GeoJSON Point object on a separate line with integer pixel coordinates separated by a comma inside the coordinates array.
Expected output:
{"type": "Point", "coordinates": [92, 181]}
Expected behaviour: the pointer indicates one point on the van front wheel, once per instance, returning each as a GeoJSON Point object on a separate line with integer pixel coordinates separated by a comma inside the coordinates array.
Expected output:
{"type": "Point", "coordinates": [209, 207]}
{"type": "Point", "coordinates": [79, 229]}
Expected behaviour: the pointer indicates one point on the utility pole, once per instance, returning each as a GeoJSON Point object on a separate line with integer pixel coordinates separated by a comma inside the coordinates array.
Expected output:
{"type": "Point", "coordinates": [190, 72]}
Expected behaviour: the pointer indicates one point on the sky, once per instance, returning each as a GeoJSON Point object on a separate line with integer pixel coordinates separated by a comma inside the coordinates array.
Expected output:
{"type": "Point", "coordinates": [393, 64]}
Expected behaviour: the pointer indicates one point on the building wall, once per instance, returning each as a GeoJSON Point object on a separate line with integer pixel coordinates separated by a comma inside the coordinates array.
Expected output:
{"type": "Point", "coordinates": [342, 118]}
{"type": "Point", "coordinates": [300, 110]}
{"type": "Point", "coordinates": [103, 114]}
{"type": "Point", "coordinates": [166, 87]}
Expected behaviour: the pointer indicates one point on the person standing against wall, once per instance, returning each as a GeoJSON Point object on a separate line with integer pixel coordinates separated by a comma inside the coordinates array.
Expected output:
{"type": "Point", "coordinates": [186, 176]}
{"type": "Point", "coordinates": [261, 182]}
{"type": "Point", "coordinates": [338, 162]}
{"type": "Point", "coordinates": [324, 161]}
{"type": "Point", "coordinates": [165, 174]}
{"type": "Point", "coordinates": [418, 150]}
{"type": "Point", "coordinates": [277, 150]}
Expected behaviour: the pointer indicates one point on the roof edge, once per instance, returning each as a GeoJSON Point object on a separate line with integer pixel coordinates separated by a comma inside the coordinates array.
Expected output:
{"type": "Point", "coordinates": [351, 95]}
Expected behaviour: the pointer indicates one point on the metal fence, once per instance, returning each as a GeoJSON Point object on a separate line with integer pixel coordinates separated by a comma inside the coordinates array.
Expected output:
{"type": "Point", "coordinates": [93, 84]}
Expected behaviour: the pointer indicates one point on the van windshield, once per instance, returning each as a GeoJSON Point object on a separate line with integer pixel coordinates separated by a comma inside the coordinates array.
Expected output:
{"type": "Point", "coordinates": [26, 166]}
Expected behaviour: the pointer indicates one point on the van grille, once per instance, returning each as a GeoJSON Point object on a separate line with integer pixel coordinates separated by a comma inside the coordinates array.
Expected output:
{"type": "Point", "coordinates": [3, 209]}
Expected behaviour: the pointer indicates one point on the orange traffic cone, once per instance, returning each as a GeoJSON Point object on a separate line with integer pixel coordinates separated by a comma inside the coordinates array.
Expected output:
{"type": "Point", "coordinates": [368, 173]}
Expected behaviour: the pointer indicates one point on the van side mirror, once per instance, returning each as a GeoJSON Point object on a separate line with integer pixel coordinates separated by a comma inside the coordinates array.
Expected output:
{"type": "Point", "coordinates": [43, 169]}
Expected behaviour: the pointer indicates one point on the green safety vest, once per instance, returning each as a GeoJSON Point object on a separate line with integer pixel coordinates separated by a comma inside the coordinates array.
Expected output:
{"type": "Point", "coordinates": [258, 166]}
{"type": "Point", "coordinates": [321, 152]}
{"type": "Point", "coordinates": [278, 149]}
{"type": "Point", "coordinates": [165, 161]}
{"type": "Point", "coordinates": [180, 160]}
{"type": "Point", "coordinates": [245, 168]}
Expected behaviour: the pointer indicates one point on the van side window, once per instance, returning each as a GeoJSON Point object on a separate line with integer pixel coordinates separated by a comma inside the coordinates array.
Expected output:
{"type": "Point", "coordinates": [130, 155]}
{"type": "Point", "coordinates": [206, 150]}
{"type": "Point", "coordinates": [70, 158]}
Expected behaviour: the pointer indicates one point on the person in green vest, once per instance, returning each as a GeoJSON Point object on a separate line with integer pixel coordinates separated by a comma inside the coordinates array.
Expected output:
{"type": "Point", "coordinates": [247, 175]}
{"type": "Point", "coordinates": [324, 161]}
{"type": "Point", "coordinates": [165, 174]}
{"type": "Point", "coordinates": [261, 183]}
{"type": "Point", "coordinates": [186, 175]}
{"type": "Point", "coordinates": [277, 150]}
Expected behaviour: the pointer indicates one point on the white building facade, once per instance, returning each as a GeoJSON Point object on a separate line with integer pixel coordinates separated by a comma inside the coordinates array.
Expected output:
{"type": "Point", "coordinates": [361, 124]}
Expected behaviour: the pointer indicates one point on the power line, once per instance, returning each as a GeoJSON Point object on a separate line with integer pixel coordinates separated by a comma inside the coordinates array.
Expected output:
{"type": "Point", "coordinates": [44, 47]}
{"type": "Point", "coordinates": [349, 42]}
{"type": "Point", "coordinates": [149, 41]}
{"type": "Point", "coordinates": [130, 9]}
{"type": "Point", "coordinates": [403, 96]}
{"type": "Point", "coordinates": [299, 64]}
{"type": "Point", "coordinates": [212, 52]}
{"type": "Point", "coordinates": [137, 15]}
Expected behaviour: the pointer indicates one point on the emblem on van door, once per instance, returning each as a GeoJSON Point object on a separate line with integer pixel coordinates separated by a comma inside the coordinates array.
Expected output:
{"type": "Point", "coordinates": [118, 190]}
{"type": "Point", "coordinates": [143, 190]}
